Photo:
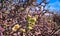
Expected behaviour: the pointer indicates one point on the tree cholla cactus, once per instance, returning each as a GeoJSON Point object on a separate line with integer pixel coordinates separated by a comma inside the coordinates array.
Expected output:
{"type": "Point", "coordinates": [17, 20]}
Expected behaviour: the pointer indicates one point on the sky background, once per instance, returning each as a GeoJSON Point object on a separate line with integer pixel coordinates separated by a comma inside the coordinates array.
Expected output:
{"type": "Point", "coordinates": [54, 4]}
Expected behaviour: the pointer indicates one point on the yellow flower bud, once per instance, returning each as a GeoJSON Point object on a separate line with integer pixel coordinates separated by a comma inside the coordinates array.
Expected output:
{"type": "Point", "coordinates": [22, 30]}
{"type": "Point", "coordinates": [29, 27]}
{"type": "Point", "coordinates": [36, 16]}
{"type": "Point", "coordinates": [15, 27]}
{"type": "Point", "coordinates": [21, 8]}
{"type": "Point", "coordinates": [5, 25]}
{"type": "Point", "coordinates": [29, 15]}
{"type": "Point", "coordinates": [32, 21]}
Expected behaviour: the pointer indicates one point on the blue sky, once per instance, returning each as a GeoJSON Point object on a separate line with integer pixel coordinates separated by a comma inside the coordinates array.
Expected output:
{"type": "Point", "coordinates": [54, 4]}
